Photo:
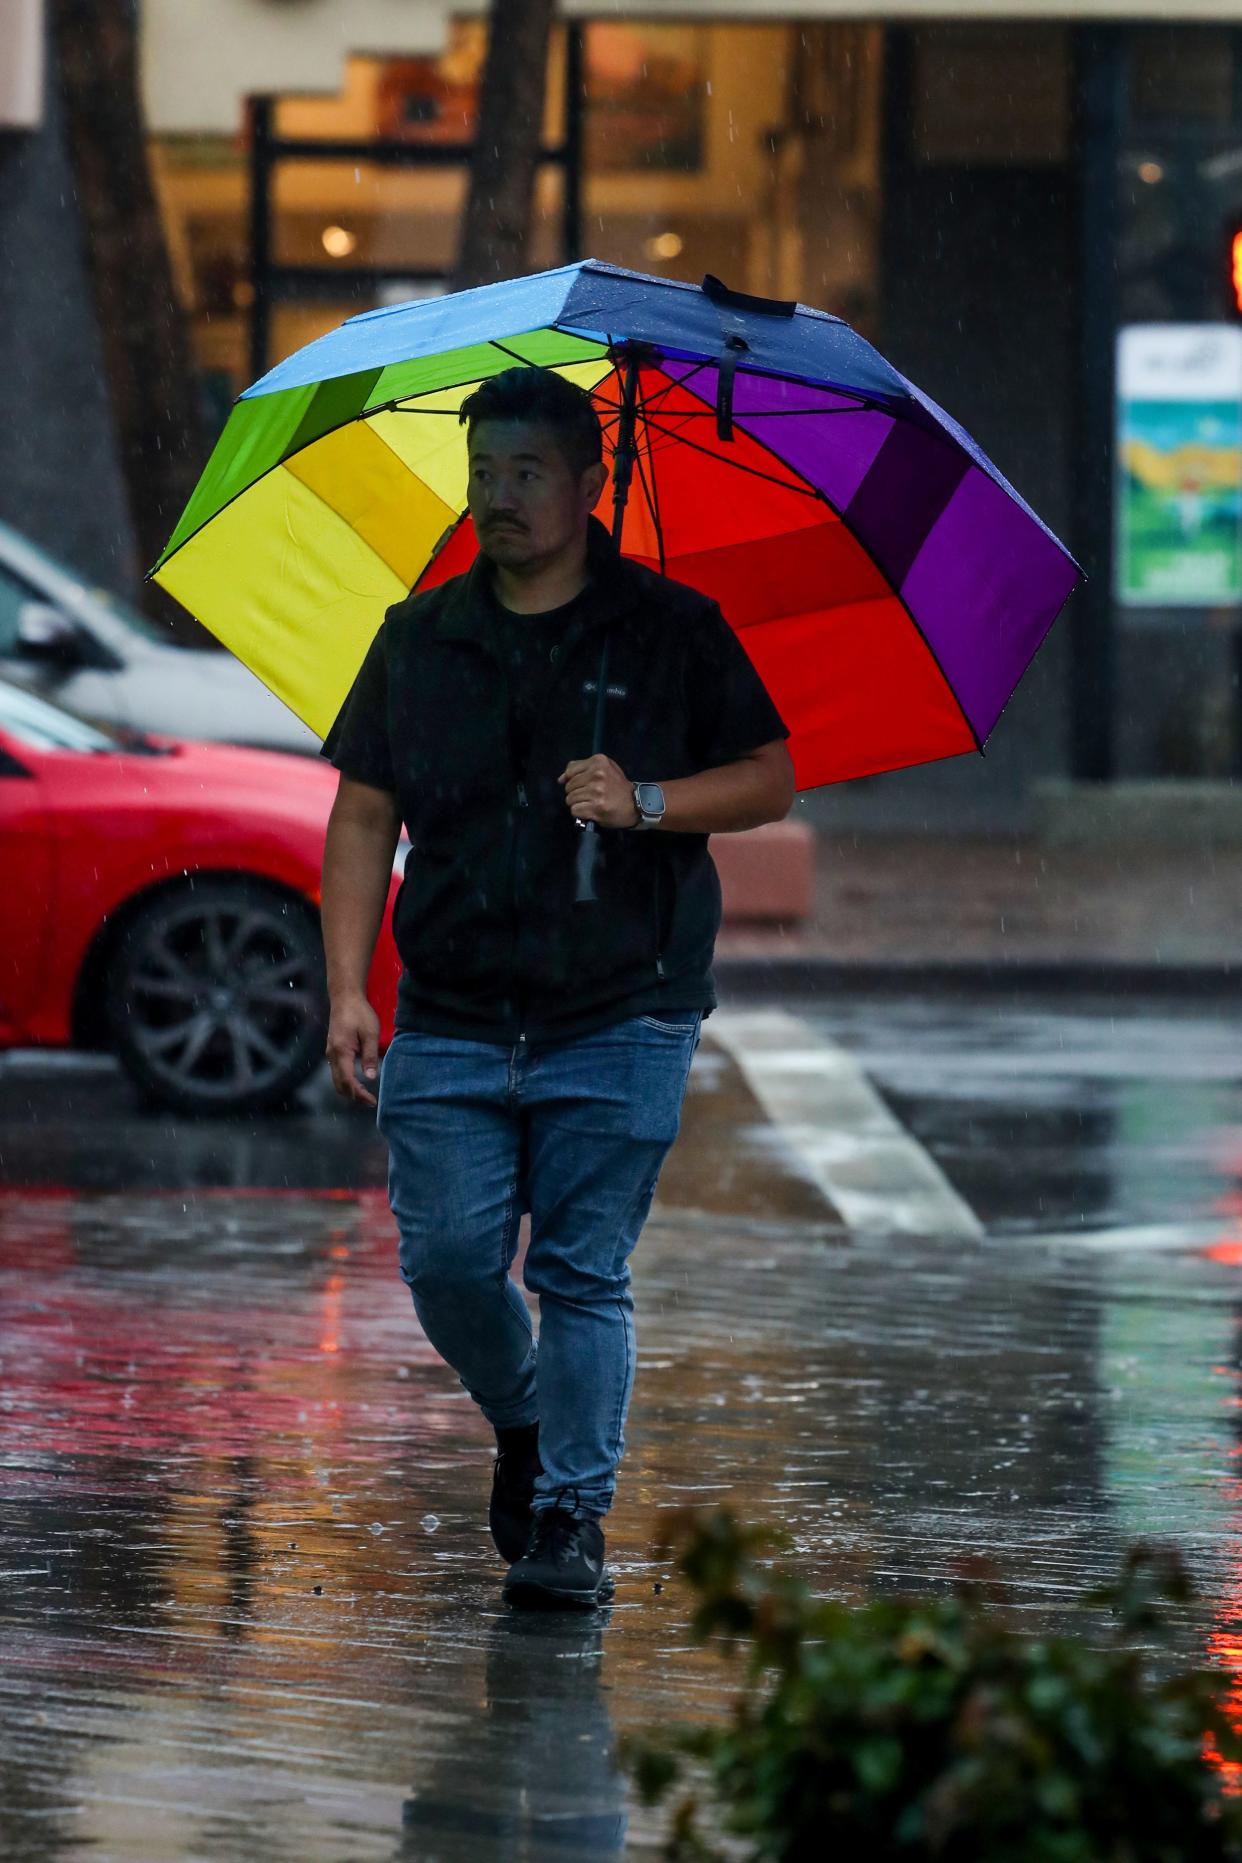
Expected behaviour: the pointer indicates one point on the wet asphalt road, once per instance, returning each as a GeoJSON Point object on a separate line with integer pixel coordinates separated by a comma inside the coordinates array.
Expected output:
{"type": "Point", "coordinates": [248, 1605]}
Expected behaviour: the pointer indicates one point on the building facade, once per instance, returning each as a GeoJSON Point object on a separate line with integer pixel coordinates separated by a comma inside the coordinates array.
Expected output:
{"type": "Point", "coordinates": [1030, 209]}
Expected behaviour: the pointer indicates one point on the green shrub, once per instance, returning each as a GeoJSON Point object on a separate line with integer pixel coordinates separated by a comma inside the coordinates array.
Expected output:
{"type": "Point", "coordinates": [919, 1728]}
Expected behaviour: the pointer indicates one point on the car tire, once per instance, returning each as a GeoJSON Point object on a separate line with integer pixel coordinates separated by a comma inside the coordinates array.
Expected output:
{"type": "Point", "coordinates": [216, 998]}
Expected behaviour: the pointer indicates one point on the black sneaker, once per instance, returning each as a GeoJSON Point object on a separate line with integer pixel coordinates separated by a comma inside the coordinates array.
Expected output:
{"type": "Point", "coordinates": [563, 1567]}
{"type": "Point", "coordinates": [513, 1489]}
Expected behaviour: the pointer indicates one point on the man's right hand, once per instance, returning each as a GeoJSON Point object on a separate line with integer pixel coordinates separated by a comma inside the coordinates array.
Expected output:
{"type": "Point", "coordinates": [353, 1036]}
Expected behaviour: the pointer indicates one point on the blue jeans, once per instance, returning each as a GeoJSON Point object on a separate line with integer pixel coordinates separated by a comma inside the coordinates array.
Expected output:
{"type": "Point", "coordinates": [575, 1133]}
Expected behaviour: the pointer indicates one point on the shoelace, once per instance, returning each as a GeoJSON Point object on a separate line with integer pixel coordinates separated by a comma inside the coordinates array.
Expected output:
{"type": "Point", "coordinates": [556, 1530]}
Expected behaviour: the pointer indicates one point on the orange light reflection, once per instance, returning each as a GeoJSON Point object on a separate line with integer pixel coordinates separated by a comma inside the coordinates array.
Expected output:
{"type": "Point", "coordinates": [330, 1324]}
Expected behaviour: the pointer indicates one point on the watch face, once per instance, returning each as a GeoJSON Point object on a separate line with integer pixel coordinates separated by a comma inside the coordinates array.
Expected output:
{"type": "Point", "coordinates": [651, 798]}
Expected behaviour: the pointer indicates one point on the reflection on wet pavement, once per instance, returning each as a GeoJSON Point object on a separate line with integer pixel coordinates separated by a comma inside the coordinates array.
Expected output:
{"type": "Point", "coordinates": [249, 1603]}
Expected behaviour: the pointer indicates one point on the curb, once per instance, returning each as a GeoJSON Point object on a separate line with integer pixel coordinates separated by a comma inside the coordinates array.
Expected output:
{"type": "Point", "coordinates": [766, 976]}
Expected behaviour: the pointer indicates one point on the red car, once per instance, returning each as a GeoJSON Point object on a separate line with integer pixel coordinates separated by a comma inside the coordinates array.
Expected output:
{"type": "Point", "coordinates": [160, 898]}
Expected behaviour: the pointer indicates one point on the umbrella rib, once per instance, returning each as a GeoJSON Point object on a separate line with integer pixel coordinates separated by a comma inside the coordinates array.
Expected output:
{"type": "Point", "coordinates": [651, 506]}
{"type": "Point", "coordinates": [495, 343]}
{"type": "Point", "coordinates": [671, 427]}
{"type": "Point", "coordinates": [679, 381]}
{"type": "Point", "coordinates": [803, 489]}
{"type": "Point", "coordinates": [655, 493]}
{"type": "Point", "coordinates": [855, 407]}
{"type": "Point", "coordinates": [650, 491]}
{"type": "Point", "coordinates": [671, 382]}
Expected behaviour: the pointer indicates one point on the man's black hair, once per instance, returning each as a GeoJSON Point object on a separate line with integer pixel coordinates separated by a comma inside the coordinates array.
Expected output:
{"type": "Point", "coordinates": [537, 394]}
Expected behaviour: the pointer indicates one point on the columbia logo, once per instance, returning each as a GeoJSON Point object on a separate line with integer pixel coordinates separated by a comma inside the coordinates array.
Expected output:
{"type": "Point", "coordinates": [612, 692]}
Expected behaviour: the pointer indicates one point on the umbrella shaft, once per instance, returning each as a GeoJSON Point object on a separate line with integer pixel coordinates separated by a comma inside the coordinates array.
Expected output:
{"type": "Point", "coordinates": [625, 450]}
{"type": "Point", "coordinates": [623, 457]}
{"type": "Point", "coordinates": [624, 454]}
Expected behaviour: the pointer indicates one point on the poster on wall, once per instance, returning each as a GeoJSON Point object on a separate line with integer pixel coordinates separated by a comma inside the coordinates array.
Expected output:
{"type": "Point", "coordinates": [1179, 465]}
{"type": "Point", "coordinates": [434, 99]}
{"type": "Point", "coordinates": [646, 91]}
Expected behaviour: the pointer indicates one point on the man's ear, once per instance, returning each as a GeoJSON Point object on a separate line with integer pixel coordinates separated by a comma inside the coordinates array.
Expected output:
{"type": "Point", "coordinates": [593, 482]}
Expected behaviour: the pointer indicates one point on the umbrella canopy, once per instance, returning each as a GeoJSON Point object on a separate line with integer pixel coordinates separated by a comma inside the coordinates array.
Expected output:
{"type": "Point", "coordinates": [887, 582]}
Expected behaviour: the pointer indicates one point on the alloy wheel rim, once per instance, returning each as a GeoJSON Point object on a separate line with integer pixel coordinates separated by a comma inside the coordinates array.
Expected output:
{"type": "Point", "coordinates": [220, 997]}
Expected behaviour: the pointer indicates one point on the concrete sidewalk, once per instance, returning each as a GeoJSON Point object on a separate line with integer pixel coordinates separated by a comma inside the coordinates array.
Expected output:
{"type": "Point", "coordinates": [1007, 907]}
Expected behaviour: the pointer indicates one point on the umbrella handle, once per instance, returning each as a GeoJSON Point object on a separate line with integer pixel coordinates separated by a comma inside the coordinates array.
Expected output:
{"type": "Point", "coordinates": [584, 865]}
{"type": "Point", "coordinates": [588, 836]}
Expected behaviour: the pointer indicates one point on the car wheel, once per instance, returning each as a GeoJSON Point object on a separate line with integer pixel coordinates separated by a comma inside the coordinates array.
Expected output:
{"type": "Point", "coordinates": [216, 996]}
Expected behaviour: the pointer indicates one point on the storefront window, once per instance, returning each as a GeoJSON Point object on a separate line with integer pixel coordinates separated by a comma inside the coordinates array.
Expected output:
{"type": "Point", "coordinates": [1178, 488]}
{"type": "Point", "coordinates": [203, 185]}
{"type": "Point", "coordinates": [648, 96]}
{"type": "Point", "coordinates": [335, 215]}
{"type": "Point", "coordinates": [1180, 74]}
{"type": "Point", "coordinates": [747, 150]}
{"type": "Point", "coordinates": [988, 96]}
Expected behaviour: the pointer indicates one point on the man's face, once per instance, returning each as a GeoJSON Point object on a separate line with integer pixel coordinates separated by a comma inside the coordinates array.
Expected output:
{"type": "Point", "coordinates": [525, 499]}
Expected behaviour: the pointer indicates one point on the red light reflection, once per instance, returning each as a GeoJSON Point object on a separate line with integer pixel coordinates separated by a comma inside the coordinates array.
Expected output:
{"type": "Point", "coordinates": [1224, 1643]}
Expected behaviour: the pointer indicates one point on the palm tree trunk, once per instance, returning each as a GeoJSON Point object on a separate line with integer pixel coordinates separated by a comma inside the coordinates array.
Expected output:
{"type": "Point", "coordinates": [142, 322]}
{"type": "Point", "coordinates": [496, 230]}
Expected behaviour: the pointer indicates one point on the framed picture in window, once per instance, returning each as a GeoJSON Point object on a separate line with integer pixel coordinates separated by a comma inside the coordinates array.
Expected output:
{"type": "Point", "coordinates": [646, 97]}
{"type": "Point", "coordinates": [434, 99]}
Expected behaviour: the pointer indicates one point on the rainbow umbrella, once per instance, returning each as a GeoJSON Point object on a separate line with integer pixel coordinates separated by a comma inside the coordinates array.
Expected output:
{"type": "Point", "coordinates": [887, 582]}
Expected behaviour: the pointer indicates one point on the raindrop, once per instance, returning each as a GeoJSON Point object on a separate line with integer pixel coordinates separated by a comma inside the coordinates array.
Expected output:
{"type": "Point", "coordinates": [429, 1523]}
{"type": "Point", "coordinates": [375, 1527]}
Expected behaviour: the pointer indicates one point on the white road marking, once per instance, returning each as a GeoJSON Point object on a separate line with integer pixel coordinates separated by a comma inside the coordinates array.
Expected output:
{"type": "Point", "coordinates": [870, 1168]}
{"type": "Point", "coordinates": [1195, 1233]}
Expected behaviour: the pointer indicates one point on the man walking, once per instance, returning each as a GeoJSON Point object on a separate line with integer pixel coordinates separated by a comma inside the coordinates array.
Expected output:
{"type": "Point", "coordinates": [542, 1044]}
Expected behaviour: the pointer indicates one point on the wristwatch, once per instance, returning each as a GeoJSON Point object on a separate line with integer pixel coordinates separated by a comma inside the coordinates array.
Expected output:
{"type": "Point", "coordinates": [649, 801]}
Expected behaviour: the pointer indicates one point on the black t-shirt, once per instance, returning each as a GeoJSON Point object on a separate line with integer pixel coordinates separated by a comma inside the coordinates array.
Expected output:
{"type": "Point", "coordinates": [529, 645]}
